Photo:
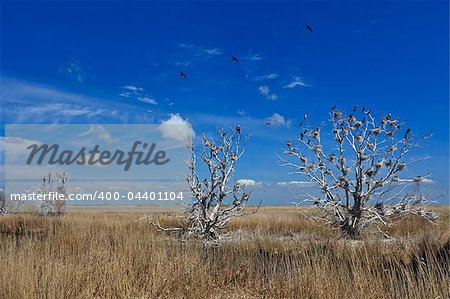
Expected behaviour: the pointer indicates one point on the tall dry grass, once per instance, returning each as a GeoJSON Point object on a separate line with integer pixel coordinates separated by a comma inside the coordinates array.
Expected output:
{"type": "Point", "coordinates": [276, 253]}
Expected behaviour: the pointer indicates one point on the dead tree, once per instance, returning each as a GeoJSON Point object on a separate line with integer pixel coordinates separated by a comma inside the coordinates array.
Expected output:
{"type": "Point", "coordinates": [215, 199]}
{"type": "Point", "coordinates": [358, 170]}
{"type": "Point", "coordinates": [55, 191]}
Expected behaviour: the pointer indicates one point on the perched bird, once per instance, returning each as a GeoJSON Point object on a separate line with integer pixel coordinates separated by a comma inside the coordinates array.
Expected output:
{"type": "Point", "coordinates": [238, 129]}
{"type": "Point", "coordinates": [300, 124]}
{"type": "Point", "coordinates": [268, 124]}
{"type": "Point", "coordinates": [183, 74]}
{"type": "Point", "coordinates": [302, 136]}
{"type": "Point", "coordinates": [233, 58]}
{"type": "Point", "coordinates": [308, 28]}
{"type": "Point", "coordinates": [288, 143]}
{"type": "Point", "coordinates": [334, 107]}
{"type": "Point", "coordinates": [305, 116]}
{"type": "Point", "coordinates": [354, 108]}
{"type": "Point", "coordinates": [407, 132]}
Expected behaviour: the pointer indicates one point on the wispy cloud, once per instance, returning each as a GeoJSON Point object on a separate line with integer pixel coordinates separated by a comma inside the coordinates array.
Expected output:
{"type": "Point", "coordinates": [255, 57]}
{"type": "Point", "coordinates": [77, 71]}
{"type": "Point", "coordinates": [248, 183]}
{"type": "Point", "coordinates": [133, 88]}
{"type": "Point", "coordinates": [195, 52]}
{"type": "Point", "coordinates": [297, 81]}
{"type": "Point", "coordinates": [27, 102]}
{"type": "Point", "coordinates": [296, 183]}
{"type": "Point", "coordinates": [278, 120]}
{"type": "Point", "coordinates": [101, 132]}
{"type": "Point", "coordinates": [148, 100]}
{"type": "Point", "coordinates": [137, 92]}
{"type": "Point", "coordinates": [267, 77]}
{"type": "Point", "coordinates": [185, 45]}
{"type": "Point", "coordinates": [242, 112]}
{"type": "Point", "coordinates": [212, 52]}
{"type": "Point", "coordinates": [265, 90]}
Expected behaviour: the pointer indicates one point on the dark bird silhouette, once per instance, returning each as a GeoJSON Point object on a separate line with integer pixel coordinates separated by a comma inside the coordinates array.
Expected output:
{"type": "Point", "coordinates": [300, 124]}
{"type": "Point", "coordinates": [183, 74]}
{"type": "Point", "coordinates": [302, 136]}
{"type": "Point", "coordinates": [407, 132]}
{"type": "Point", "coordinates": [308, 28]}
{"type": "Point", "coordinates": [288, 143]}
{"type": "Point", "coordinates": [334, 107]}
{"type": "Point", "coordinates": [268, 124]}
{"type": "Point", "coordinates": [354, 108]}
{"type": "Point", "coordinates": [233, 58]}
{"type": "Point", "coordinates": [238, 129]}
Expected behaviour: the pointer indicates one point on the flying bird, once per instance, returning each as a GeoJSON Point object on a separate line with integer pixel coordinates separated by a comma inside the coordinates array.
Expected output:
{"type": "Point", "coordinates": [268, 124]}
{"type": "Point", "coordinates": [183, 74]}
{"type": "Point", "coordinates": [309, 28]}
{"type": "Point", "coordinates": [233, 58]}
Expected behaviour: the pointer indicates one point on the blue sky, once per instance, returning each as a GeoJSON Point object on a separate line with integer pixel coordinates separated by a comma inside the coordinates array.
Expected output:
{"type": "Point", "coordinates": [117, 62]}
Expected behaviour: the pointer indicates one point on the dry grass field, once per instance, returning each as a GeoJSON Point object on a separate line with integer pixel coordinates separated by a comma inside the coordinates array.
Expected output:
{"type": "Point", "coordinates": [275, 253]}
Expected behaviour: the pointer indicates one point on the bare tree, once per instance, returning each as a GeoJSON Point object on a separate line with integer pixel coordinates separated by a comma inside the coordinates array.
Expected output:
{"type": "Point", "coordinates": [215, 199]}
{"type": "Point", "coordinates": [358, 170]}
{"type": "Point", "coordinates": [55, 188]}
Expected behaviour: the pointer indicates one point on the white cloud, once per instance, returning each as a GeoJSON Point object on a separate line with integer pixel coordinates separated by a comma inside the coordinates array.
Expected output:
{"type": "Point", "coordinates": [77, 71]}
{"type": "Point", "coordinates": [256, 57]}
{"type": "Point", "coordinates": [177, 128]}
{"type": "Point", "coordinates": [242, 112]}
{"type": "Point", "coordinates": [265, 90]}
{"type": "Point", "coordinates": [137, 92]}
{"type": "Point", "coordinates": [278, 120]}
{"type": "Point", "coordinates": [185, 45]}
{"type": "Point", "coordinates": [28, 102]}
{"type": "Point", "coordinates": [16, 147]}
{"type": "Point", "coordinates": [214, 51]}
{"type": "Point", "coordinates": [297, 82]}
{"type": "Point", "coordinates": [267, 77]}
{"type": "Point", "coordinates": [62, 109]}
{"type": "Point", "coordinates": [296, 183]}
{"type": "Point", "coordinates": [103, 134]}
{"type": "Point", "coordinates": [248, 183]}
{"type": "Point", "coordinates": [148, 100]}
{"type": "Point", "coordinates": [133, 88]}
